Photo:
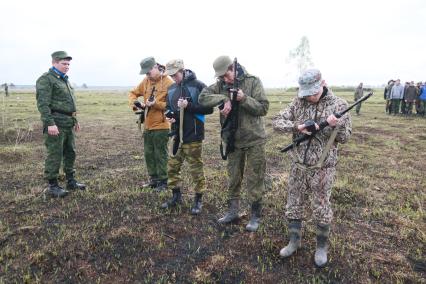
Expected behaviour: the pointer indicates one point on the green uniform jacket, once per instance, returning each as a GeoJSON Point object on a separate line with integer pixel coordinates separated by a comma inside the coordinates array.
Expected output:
{"type": "Point", "coordinates": [54, 93]}
{"type": "Point", "coordinates": [255, 105]}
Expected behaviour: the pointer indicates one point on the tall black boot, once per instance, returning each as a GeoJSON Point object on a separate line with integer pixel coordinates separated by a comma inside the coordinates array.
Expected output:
{"type": "Point", "coordinates": [254, 222]}
{"type": "Point", "coordinates": [175, 200]}
{"type": "Point", "coordinates": [323, 231]}
{"type": "Point", "coordinates": [198, 204]}
{"type": "Point", "coordinates": [295, 235]}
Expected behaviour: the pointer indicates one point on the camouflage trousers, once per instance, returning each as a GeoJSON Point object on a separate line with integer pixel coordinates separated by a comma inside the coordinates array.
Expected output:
{"type": "Point", "coordinates": [191, 153]}
{"type": "Point", "coordinates": [60, 149]}
{"type": "Point", "coordinates": [156, 152]}
{"type": "Point", "coordinates": [253, 160]}
{"type": "Point", "coordinates": [313, 184]}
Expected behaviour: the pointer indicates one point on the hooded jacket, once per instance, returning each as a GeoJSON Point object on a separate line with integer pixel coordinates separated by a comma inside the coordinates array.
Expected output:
{"type": "Point", "coordinates": [252, 109]}
{"type": "Point", "coordinates": [301, 110]}
{"type": "Point", "coordinates": [155, 119]}
{"type": "Point", "coordinates": [193, 119]}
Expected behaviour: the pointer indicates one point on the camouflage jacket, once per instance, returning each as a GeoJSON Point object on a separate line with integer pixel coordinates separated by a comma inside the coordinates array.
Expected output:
{"type": "Point", "coordinates": [255, 105]}
{"type": "Point", "coordinates": [301, 110]}
{"type": "Point", "coordinates": [359, 92]}
{"type": "Point", "coordinates": [54, 93]}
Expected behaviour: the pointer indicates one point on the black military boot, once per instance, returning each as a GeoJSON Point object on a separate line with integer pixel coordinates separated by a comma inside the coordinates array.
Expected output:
{"type": "Point", "coordinates": [161, 185]}
{"type": "Point", "coordinates": [323, 231]}
{"type": "Point", "coordinates": [54, 190]}
{"type": "Point", "coordinates": [175, 200]}
{"type": "Point", "coordinates": [295, 235]}
{"type": "Point", "coordinates": [198, 204]}
{"type": "Point", "coordinates": [233, 212]}
{"type": "Point", "coordinates": [152, 183]}
{"type": "Point", "coordinates": [72, 184]}
{"type": "Point", "coordinates": [256, 208]}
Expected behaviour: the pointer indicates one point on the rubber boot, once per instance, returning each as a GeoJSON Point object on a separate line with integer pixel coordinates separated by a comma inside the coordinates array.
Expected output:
{"type": "Point", "coordinates": [323, 231]}
{"type": "Point", "coordinates": [295, 235]}
{"type": "Point", "coordinates": [232, 214]}
{"type": "Point", "coordinates": [54, 190]}
{"type": "Point", "coordinates": [253, 225]}
{"type": "Point", "coordinates": [175, 200]}
{"type": "Point", "coordinates": [198, 204]}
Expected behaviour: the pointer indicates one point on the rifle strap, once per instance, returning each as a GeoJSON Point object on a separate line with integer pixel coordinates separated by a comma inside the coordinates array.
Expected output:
{"type": "Point", "coordinates": [324, 153]}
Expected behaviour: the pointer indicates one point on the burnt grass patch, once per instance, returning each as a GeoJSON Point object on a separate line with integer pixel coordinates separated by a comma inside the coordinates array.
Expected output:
{"type": "Point", "coordinates": [115, 231]}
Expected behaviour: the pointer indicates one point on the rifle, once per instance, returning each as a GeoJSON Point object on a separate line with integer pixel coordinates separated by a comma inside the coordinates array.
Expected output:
{"type": "Point", "coordinates": [231, 121]}
{"type": "Point", "coordinates": [311, 125]}
{"type": "Point", "coordinates": [177, 130]}
{"type": "Point", "coordinates": [141, 110]}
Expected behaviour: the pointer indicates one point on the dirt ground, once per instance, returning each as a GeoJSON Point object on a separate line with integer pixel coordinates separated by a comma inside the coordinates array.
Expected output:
{"type": "Point", "coordinates": [115, 232]}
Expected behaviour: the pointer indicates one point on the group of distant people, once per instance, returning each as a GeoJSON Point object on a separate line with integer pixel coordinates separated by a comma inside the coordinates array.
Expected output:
{"type": "Point", "coordinates": [402, 99]}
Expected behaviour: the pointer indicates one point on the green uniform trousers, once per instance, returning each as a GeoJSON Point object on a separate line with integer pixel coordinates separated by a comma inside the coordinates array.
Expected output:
{"type": "Point", "coordinates": [253, 160]}
{"type": "Point", "coordinates": [191, 153]}
{"type": "Point", "coordinates": [156, 152]}
{"type": "Point", "coordinates": [60, 149]}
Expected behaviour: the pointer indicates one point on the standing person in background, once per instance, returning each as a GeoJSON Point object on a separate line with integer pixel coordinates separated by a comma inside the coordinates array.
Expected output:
{"type": "Point", "coordinates": [396, 95]}
{"type": "Point", "coordinates": [313, 166]}
{"type": "Point", "coordinates": [183, 96]}
{"type": "Point", "coordinates": [410, 97]}
{"type": "Point", "coordinates": [359, 92]}
{"type": "Point", "coordinates": [422, 98]}
{"type": "Point", "coordinates": [388, 89]}
{"type": "Point", "coordinates": [6, 89]}
{"type": "Point", "coordinates": [248, 157]}
{"type": "Point", "coordinates": [403, 102]}
{"type": "Point", "coordinates": [418, 101]}
{"type": "Point", "coordinates": [153, 90]}
{"type": "Point", "coordinates": [57, 106]}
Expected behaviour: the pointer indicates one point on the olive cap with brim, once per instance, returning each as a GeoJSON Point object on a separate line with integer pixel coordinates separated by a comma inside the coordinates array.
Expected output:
{"type": "Point", "coordinates": [309, 83]}
{"type": "Point", "coordinates": [221, 65]}
{"type": "Point", "coordinates": [147, 64]}
{"type": "Point", "coordinates": [173, 66]}
{"type": "Point", "coordinates": [60, 55]}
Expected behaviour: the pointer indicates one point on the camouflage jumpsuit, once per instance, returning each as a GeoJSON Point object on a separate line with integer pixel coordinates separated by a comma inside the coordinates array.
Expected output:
{"type": "Point", "coordinates": [304, 181]}
{"type": "Point", "coordinates": [56, 104]}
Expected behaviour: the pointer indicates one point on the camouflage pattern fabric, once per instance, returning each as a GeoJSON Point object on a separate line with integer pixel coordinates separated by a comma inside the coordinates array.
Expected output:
{"type": "Point", "coordinates": [156, 152]}
{"type": "Point", "coordinates": [317, 185]}
{"type": "Point", "coordinates": [253, 160]}
{"type": "Point", "coordinates": [60, 149]}
{"type": "Point", "coordinates": [191, 153]}
{"type": "Point", "coordinates": [301, 110]}
{"type": "Point", "coordinates": [55, 93]}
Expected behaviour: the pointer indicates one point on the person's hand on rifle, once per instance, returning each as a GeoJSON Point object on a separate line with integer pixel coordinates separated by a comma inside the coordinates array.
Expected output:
{"type": "Point", "coordinates": [226, 108]}
{"type": "Point", "coordinates": [332, 120]}
{"type": "Point", "coordinates": [240, 94]}
{"type": "Point", "coordinates": [304, 128]}
{"type": "Point", "coordinates": [170, 120]}
{"type": "Point", "coordinates": [150, 103]}
{"type": "Point", "coordinates": [182, 103]}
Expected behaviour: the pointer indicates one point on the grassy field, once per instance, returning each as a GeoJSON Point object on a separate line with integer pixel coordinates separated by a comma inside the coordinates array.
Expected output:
{"type": "Point", "coordinates": [115, 231]}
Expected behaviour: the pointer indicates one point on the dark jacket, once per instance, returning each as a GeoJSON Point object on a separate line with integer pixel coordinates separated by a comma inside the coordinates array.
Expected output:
{"type": "Point", "coordinates": [193, 120]}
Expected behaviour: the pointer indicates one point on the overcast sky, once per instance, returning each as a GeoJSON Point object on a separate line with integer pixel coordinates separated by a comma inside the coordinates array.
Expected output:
{"type": "Point", "coordinates": [351, 41]}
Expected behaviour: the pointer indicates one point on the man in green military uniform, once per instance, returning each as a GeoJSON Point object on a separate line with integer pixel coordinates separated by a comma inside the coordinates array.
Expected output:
{"type": "Point", "coordinates": [56, 104]}
{"type": "Point", "coordinates": [250, 136]}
